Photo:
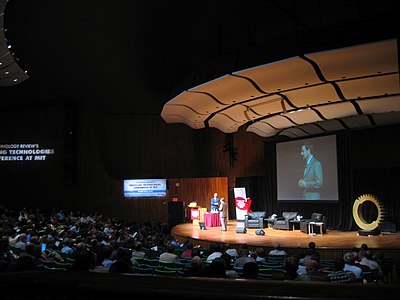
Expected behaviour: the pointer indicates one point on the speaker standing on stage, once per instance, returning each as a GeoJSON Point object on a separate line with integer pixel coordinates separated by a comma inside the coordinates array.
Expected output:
{"type": "Point", "coordinates": [223, 214]}
{"type": "Point", "coordinates": [214, 203]}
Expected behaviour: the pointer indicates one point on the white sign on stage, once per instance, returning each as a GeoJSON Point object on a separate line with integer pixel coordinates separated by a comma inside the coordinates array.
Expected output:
{"type": "Point", "coordinates": [240, 203]}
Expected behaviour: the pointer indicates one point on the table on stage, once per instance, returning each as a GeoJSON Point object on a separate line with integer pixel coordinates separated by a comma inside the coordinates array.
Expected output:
{"type": "Point", "coordinates": [212, 219]}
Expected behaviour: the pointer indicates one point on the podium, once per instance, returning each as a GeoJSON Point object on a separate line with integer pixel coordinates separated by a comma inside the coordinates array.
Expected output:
{"type": "Point", "coordinates": [197, 214]}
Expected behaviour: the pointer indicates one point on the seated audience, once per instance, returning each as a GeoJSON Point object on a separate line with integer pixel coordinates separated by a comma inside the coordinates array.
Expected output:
{"type": "Point", "coordinates": [169, 255]}
{"type": "Point", "coordinates": [290, 267]}
{"type": "Point", "coordinates": [277, 251]}
{"type": "Point", "coordinates": [339, 274]}
{"type": "Point", "coordinates": [350, 263]}
{"type": "Point", "coordinates": [312, 273]}
{"type": "Point", "coordinates": [250, 270]}
{"type": "Point", "coordinates": [244, 258]}
{"type": "Point", "coordinates": [196, 268]}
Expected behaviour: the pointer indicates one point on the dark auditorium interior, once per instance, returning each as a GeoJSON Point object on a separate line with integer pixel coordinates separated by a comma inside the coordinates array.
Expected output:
{"type": "Point", "coordinates": [202, 94]}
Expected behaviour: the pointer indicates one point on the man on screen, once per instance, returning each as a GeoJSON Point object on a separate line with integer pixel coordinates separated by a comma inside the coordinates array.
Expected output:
{"type": "Point", "coordinates": [312, 178]}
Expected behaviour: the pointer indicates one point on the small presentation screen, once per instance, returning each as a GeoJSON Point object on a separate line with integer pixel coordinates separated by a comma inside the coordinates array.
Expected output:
{"type": "Point", "coordinates": [145, 188]}
{"type": "Point", "coordinates": [307, 170]}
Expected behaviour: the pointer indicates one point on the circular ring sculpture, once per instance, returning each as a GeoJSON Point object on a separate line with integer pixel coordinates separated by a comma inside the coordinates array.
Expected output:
{"type": "Point", "coordinates": [358, 216]}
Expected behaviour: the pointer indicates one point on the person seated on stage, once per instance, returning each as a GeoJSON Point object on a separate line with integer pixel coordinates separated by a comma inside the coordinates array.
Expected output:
{"type": "Point", "coordinates": [215, 203]}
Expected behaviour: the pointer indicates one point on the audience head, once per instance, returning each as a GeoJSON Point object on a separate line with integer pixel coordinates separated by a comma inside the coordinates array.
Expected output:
{"type": "Point", "coordinates": [311, 245]}
{"type": "Point", "coordinates": [338, 265]}
{"type": "Point", "coordinates": [350, 257]}
{"type": "Point", "coordinates": [217, 268]}
{"type": "Point", "coordinates": [196, 252]}
{"type": "Point", "coordinates": [196, 262]}
{"type": "Point", "coordinates": [250, 270]}
{"type": "Point", "coordinates": [312, 265]}
{"type": "Point", "coordinates": [291, 264]}
{"type": "Point", "coordinates": [277, 245]}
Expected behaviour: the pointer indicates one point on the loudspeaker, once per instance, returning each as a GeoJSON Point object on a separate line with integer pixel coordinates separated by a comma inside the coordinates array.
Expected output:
{"type": "Point", "coordinates": [241, 230]}
{"type": "Point", "coordinates": [260, 232]}
{"type": "Point", "coordinates": [202, 225]}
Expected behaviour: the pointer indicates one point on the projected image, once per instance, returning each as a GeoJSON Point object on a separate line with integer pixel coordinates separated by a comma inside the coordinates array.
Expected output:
{"type": "Point", "coordinates": [145, 188]}
{"type": "Point", "coordinates": [307, 170]}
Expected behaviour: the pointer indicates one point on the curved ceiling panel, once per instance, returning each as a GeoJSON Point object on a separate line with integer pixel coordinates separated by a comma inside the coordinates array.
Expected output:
{"type": "Point", "coordinates": [316, 93]}
{"type": "Point", "coordinates": [10, 71]}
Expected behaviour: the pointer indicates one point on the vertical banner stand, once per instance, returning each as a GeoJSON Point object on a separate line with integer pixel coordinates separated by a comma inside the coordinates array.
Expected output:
{"type": "Point", "coordinates": [241, 208]}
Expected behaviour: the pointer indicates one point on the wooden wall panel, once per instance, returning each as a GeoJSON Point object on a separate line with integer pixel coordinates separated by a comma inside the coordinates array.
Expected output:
{"type": "Point", "coordinates": [200, 190]}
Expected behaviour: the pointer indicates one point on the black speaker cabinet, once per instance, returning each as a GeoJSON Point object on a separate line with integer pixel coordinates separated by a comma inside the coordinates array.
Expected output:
{"type": "Point", "coordinates": [241, 230]}
{"type": "Point", "coordinates": [176, 213]}
{"type": "Point", "coordinates": [260, 232]}
{"type": "Point", "coordinates": [202, 225]}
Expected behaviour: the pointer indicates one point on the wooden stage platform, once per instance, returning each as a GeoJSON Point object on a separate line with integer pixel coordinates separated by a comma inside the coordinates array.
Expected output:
{"type": "Point", "coordinates": [332, 240]}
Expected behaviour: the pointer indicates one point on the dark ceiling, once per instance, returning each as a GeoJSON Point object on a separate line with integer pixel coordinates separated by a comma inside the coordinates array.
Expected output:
{"type": "Point", "coordinates": [134, 56]}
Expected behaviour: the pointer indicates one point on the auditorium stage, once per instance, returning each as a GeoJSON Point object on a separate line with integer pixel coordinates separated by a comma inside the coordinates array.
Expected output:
{"type": "Point", "coordinates": [332, 240]}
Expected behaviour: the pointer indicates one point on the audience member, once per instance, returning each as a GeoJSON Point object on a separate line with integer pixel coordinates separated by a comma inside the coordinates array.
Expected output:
{"type": "Point", "coordinates": [229, 249]}
{"type": "Point", "coordinates": [229, 270]}
{"type": "Point", "coordinates": [261, 255]}
{"type": "Point", "coordinates": [196, 268]}
{"type": "Point", "coordinates": [339, 274]}
{"type": "Point", "coordinates": [250, 270]}
{"type": "Point", "coordinates": [312, 273]}
{"type": "Point", "coordinates": [277, 251]}
{"type": "Point", "coordinates": [290, 267]}
{"type": "Point", "coordinates": [215, 252]}
{"type": "Point", "coordinates": [244, 258]}
{"type": "Point", "coordinates": [188, 252]}
{"type": "Point", "coordinates": [169, 255]}
{"type": "Point", "coordinates": [217, 268]}
{"type": "Point", "coordinates": [123, 263]}
{"type": "Point", "coordinates": [350, 263]}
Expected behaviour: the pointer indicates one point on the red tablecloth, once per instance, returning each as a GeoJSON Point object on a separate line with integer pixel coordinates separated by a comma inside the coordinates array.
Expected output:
{"type": "Point", "coordinates": [212, 220]}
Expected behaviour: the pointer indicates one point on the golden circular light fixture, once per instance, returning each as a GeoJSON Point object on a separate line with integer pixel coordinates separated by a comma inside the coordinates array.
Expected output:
{"type": "Point", "coordinates": [358, 216]}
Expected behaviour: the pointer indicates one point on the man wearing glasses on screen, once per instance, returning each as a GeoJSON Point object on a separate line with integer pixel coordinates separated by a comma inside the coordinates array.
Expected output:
{"type": "Point", "coordinates": [312, 178]}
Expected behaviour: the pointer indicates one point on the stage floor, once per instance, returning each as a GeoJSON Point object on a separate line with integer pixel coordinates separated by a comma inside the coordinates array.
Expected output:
{"type": "Point", "coordinates": [332, 240]}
